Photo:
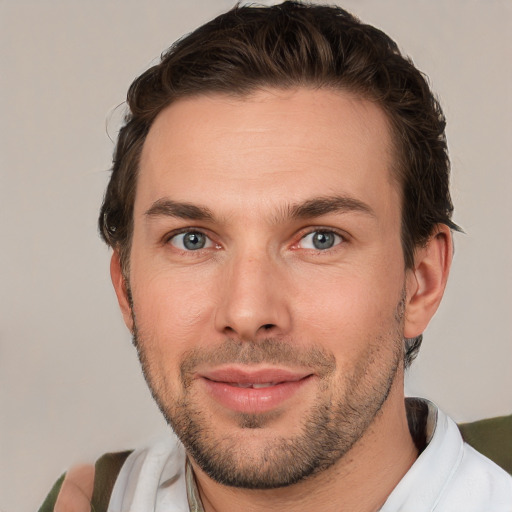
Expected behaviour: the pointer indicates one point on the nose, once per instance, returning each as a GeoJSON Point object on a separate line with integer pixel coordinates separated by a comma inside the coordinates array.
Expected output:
{"type": "Point", "coordinates": [254, 303]}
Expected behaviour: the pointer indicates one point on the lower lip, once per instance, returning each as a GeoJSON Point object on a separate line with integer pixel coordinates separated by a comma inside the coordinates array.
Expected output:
{"type": "Point", "coordinates": [254, 400]}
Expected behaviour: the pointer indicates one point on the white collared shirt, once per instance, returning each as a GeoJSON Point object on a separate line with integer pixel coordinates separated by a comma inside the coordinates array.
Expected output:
{"type": "Point", "coordinates": [448, 476]}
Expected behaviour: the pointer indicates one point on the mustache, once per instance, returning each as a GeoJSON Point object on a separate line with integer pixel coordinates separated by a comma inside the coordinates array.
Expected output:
{"type": "Point", "coordinates": [268, 350]}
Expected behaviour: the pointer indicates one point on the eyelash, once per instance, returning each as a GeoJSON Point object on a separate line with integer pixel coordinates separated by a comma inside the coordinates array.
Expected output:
{"type": "Point", "coordinates": [171, 236]}
{"type": "Point", "coordinates": [342, 239]}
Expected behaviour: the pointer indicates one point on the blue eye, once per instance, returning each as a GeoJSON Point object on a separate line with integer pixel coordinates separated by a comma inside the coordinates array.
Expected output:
{"type": "Point", "coordinates": [320, 240]}
{"type": "Point", "coordinates": [191, 241]}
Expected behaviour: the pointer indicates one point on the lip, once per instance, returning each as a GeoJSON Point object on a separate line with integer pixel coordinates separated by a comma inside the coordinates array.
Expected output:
{"type": "Point", "coordinates": [228, 387]}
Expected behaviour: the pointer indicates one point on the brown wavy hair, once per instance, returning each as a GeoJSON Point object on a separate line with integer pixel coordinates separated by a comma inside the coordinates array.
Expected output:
{"type": "Point", "coordinates": [288, 46]}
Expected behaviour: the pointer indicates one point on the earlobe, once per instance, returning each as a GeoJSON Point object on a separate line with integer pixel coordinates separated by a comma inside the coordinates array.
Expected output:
{"type": "Point", "coordinates": [119, 282]}
{"type": "Point", "coordinates": [426, 282]}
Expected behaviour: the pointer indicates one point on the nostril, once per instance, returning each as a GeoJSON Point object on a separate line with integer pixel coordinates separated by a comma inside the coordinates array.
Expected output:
{"type": "Point", "coordinates": [267, 327]}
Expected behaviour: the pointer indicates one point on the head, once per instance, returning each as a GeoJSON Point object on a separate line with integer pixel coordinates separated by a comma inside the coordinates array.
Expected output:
{"type": "Point", "coordinates": [314, 66]}
{"type": "Point", "coordinates": [286, 46]}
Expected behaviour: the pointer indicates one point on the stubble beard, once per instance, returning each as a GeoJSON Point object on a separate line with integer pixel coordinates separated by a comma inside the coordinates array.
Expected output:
{"type": "Point", "coordinates": [327, 432]}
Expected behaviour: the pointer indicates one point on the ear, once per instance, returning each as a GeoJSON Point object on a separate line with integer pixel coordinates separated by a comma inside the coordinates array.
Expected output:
{"type": "Point", "coordinates": [119, 282]}
{"type": "Point", "coordinates": [426, 282]}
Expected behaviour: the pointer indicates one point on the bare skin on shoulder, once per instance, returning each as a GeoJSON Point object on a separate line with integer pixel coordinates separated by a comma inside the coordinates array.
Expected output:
{"type": "Point", "coordinates": [76, 492]}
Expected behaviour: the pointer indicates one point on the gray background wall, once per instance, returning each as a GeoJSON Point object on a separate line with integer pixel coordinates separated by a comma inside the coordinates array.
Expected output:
{"type": "Point", "coordinates": [70, 387]}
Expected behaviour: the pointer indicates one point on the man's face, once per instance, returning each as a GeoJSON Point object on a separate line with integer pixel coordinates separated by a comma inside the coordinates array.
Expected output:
{"type": "Point", "coordinates": [267, 278]}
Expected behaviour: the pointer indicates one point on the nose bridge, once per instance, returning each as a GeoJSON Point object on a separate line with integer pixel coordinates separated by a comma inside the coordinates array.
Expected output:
{"type": "Point", "coordinates": [253, 300]}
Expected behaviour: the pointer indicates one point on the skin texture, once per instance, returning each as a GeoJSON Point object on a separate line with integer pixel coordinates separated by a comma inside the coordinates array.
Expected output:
{"type": "Point", "coordinates": [259, 296]}
{"type": "Point", "coordinates": [76, 491]}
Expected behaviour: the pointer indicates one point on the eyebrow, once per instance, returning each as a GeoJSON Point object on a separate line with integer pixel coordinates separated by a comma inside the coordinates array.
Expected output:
{"type": "Point", "coordinates": [319, 206]}
{"type": "Point", "coordinates": [168, 208]}
{"type": "Point", "coordinates": [311, 208]}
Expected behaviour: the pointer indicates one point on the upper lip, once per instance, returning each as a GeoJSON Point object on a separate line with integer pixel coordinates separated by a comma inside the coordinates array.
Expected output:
{"type": "Point", "coordinates": [239, 375]}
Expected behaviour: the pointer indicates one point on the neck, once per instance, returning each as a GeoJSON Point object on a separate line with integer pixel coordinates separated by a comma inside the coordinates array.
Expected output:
{"type": "Point", "coordinates": [360, 481]}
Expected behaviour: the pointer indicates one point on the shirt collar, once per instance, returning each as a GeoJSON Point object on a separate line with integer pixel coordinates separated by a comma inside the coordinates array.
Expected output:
{"type": "Point", "coordinates": [194, 500]}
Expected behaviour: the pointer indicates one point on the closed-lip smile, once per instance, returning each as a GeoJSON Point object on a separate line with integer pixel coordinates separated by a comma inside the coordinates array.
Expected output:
{"type": "Point", "coordinates": [253, 390]}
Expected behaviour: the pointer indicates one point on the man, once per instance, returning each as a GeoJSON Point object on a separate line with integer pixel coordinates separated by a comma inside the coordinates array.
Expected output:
{"type": "Point", "coordinates": [280, 220]}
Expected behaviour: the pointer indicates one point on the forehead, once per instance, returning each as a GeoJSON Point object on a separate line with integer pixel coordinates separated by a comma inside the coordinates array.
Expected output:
{"type": "Point", "coordinates": [271, 145]}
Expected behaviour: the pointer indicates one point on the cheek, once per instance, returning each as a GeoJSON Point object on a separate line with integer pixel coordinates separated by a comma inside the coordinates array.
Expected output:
{"type": "Point", "coordinates": [171, 310]}
{"type": "Point", "coordinates": [350, 309]}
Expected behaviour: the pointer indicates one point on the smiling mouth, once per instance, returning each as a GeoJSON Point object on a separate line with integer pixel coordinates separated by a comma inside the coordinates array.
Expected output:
{"type": "Point", "coordinates": [250, 377]}
{"type": "Point", "coordinates": [255, 394]}
{"type": "Point", "coordinates": [257, 383]}
{"type": "Point", "coordinates": [254, 386]}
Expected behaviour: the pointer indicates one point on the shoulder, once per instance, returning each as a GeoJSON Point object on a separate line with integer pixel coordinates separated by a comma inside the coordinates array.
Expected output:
{"type": "Point", "coordinates": [471, 478]}
{"type": "Point", "coordinates": [86, 487]}
{"type": "Point", "coordinates": [480, 483]}
{"type": "Point", "coordinates": [492, 437]}
{"type": "Point", "coordinates": [150, 475]}
{"type": "Point", "coordinates": [130, 480]}
{"type": "Point", "coordinates": [449, 475]}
